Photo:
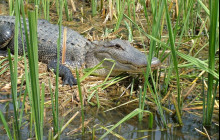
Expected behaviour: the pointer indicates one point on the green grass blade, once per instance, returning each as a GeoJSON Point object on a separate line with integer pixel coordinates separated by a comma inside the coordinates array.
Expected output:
{"type": "Point", "coordinates": [129, 116]}
{"type": "Point", "coordinates": [140, 115]}
{"type": "Point", "coordinates": [186, 20]}
{"type": "Point", "coordinates": [120, 16]}
{"type": "Point", "coordinates": [214, 9]}
{"type": "Point", "coordinates": [175, 59]}
{"type": "Point", "coordinates": [23, 103]}
{"type": "Point", "coordinates": [27, 75]}
{"type": "Point", "coordinates": [143, 2]}
{"type": "Point", "coordinates": [42, 108]}
{"type": "Point", "coordinates": [14, 73]}
{"type": "Point", "coordinates": [130, 36]}
{"type": "Point", "coordinates": [204, 7]}
{"type": "Point", "coordinates": [92, 70]}
{"type": "Point", "coordinates": [199, 63]}
{"type": "Point", "coordinates": [94, 7]}
{"type": "Point", "coordinates": [66, 10]}
{"type": "Point", "coordinates": [11, 7]}
{"type": "Point", "coordinates": [14, 97]}
{"type": "Point", "coordinates": [33, 65]}
{"type": "Point", "coordinates": [5, 124]}
{"type": "Point", "coordinates": [81, 100]}
{"type": "Point", "coordinates": [57, 127]}
{"type": "Point", "coordinates": [53, 106]}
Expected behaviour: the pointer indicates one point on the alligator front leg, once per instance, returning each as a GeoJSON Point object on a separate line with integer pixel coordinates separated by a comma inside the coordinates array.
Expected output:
{"type": "Point", "coordinates": [64, 72]}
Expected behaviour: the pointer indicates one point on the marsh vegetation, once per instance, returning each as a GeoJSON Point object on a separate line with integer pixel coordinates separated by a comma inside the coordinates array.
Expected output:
{"type": "Point", "coordinates": [180, 100]}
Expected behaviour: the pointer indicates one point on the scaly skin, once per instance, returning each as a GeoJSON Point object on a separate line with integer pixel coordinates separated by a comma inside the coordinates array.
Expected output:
{"type": "Point", "coordinates": [79, 50]}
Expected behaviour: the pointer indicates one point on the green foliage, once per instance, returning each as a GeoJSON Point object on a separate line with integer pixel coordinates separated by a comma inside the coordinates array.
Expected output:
{"type": "Point", "coordinates": [175, 61]}
{"type": "Point", "coordinates": [129, 116]}
{"type": "Point", "coordinates": [94, 7]}
{"type": "Point", "coordinates": [156, 16]}
{"type": "Point", "coordinates": [209, 104]}
{"type": "Point", "coordinates": [46, 9]}
{"type": "Point", "coordinates": [5, 124]}
{"type": "Point", "coordinates": [81, 101]}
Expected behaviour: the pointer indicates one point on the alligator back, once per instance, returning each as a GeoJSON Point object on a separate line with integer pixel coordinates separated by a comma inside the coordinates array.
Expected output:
{"type": "Point", "coordinates": [77, 45]}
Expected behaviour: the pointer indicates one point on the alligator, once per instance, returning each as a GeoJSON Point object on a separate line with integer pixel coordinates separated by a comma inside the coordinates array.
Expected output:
{"type": "Point", "coordinates": [79, 51]}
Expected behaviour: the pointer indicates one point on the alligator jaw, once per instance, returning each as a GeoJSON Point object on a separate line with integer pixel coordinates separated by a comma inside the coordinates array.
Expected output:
{"type": "Point", "coordinates": [133, 68]}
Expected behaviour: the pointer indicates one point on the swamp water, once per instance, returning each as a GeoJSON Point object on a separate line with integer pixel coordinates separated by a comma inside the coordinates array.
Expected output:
{"type": "Point", "coordinates": [130, 130]}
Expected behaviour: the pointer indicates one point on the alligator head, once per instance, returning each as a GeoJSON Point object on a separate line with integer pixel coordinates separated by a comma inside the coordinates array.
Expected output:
{"type": "Point", "coordinates": [126, 57]}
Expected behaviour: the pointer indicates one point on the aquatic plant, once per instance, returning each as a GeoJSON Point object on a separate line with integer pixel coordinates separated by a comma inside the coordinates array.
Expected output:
{"type": "Point", "coordinates": [168, 25]}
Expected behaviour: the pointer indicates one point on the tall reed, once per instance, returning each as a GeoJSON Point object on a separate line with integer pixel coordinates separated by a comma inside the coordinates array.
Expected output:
{"type": "Point", "coordinates": [159, 13]}
{"type": "Point", "coordinates": [66, 10]}
{"type": "Point", "coordinates": [11, 7]}
{"type": "Point", "coordinates": [121, 10]}
{"type": "Point", "coordinates": [81, 101]}
{"type": "Point", "coordinates": [33, 66]}
{"type": "Point", "coordinates": [94, 7]}
{"type": "Point", "coordinates": [14, 73]}
{"type": "Point", "coordinates": [211, 94]}
{"type": "Point", "coordinates": [175, 61]}
{"type": "Point", "coordinates": [56, 107]}
{"type": "Point", "coordinates": [46, 9]}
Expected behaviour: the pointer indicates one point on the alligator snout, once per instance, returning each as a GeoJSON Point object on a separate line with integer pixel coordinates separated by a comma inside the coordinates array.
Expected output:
{"type": "Point", "coordinates": [140, 60]}
{"type": "Point", "coordinates": [155, 63]}
{"type": "Point", "coordinates": [142, 63]}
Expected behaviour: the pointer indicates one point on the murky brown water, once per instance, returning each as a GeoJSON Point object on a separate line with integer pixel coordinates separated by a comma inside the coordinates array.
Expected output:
{"type": "Point", "coordinates": [94, 29]}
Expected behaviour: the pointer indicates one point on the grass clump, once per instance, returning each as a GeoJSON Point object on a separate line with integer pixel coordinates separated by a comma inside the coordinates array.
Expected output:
{"type": "Point", "coordinates": [168, 27]}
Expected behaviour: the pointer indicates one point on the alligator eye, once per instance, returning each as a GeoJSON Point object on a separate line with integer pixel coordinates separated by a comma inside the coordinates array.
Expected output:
{"type": "Point", "coordinates": [114, 46]}
{"type": "Point", "coordinates": [118, 47]}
